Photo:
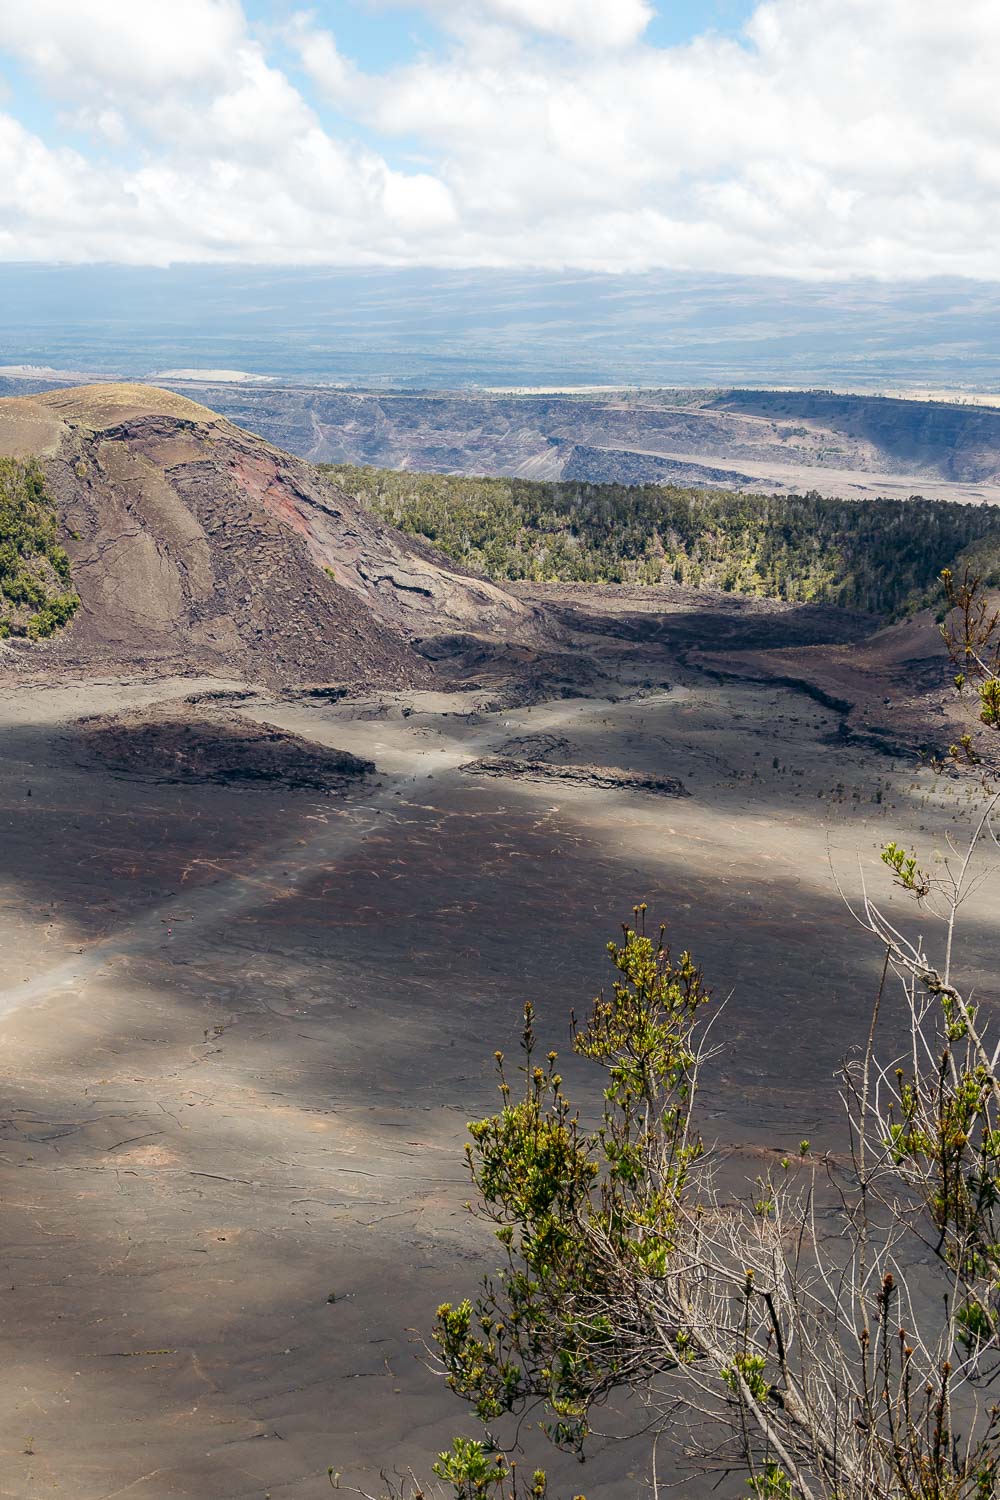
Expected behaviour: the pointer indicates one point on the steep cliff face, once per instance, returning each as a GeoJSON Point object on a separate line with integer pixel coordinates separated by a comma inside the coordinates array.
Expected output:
{"type": "Point", "coordinates": [776, 440]}
{"type": "Point", "coordinates": [193, 540]}
{"type": "Point", "coordinates": [936, 438]}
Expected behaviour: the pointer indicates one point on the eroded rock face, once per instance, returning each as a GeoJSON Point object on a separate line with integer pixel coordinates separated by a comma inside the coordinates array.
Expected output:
{"type": "Point", "coordinates": [193, 540]}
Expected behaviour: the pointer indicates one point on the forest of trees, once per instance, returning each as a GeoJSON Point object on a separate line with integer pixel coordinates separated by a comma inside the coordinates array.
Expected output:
{"type": "Point", "coordinates": [879, 555]}
{"type": "Point", "coordinates": [36, 596]}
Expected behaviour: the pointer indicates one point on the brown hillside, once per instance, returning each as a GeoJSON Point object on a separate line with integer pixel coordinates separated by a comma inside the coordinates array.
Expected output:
{"type": "Point", "coordinates": [193, 541]}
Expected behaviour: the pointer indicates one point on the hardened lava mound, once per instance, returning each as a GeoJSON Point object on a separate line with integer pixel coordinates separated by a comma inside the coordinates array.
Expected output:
{"type": "Point", "coordinates": [178, 746]}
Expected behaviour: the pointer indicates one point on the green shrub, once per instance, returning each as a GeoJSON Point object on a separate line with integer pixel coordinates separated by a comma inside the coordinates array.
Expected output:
{"type": "Point", "coordinates": [36, 598]}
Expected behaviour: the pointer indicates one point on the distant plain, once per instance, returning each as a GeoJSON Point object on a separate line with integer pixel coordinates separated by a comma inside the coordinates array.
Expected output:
{"type": "Point", "coordinates": [413, 329]}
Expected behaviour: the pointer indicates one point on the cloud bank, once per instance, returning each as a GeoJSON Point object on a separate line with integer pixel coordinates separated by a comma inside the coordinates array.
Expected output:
{"type": "Point", "coordinates": [832, 138]}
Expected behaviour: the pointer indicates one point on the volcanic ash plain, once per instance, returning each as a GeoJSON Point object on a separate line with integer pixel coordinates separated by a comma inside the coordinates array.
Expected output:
{"type": "Point", "coordinates": [245, 1020]}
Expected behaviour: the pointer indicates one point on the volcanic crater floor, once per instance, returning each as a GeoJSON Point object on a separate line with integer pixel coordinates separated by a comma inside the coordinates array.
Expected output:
{"type": "Point", "coordinates": [244, 1026]}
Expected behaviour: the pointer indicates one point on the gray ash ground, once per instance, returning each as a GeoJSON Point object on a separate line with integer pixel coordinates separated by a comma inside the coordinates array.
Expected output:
{"type": "Point", "coordinates": [243, 1030]}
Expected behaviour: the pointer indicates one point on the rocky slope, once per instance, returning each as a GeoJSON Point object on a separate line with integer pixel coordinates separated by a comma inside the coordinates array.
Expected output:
{"type": "Point", "coordinates": [194, 542]}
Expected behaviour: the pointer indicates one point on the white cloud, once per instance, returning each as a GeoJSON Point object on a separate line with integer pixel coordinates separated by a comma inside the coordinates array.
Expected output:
{"type": "Point", "coordinates": [321, 58]}
{"type": "Point", "coordinates": [838, 137]}
{"type": "Point", "coordinates": [321, 202]}
{"type": "Point", "coordinates": [588, 23]}
{"type": "Point", "coordinates": [235, 163]}
{"type": "Point", "coordinates": [112, 42]}
{"type": "Point", "coordinates": [102, 123]}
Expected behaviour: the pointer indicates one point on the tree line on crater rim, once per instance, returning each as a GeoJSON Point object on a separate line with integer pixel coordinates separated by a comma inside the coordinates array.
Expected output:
{"type": "Point", "coordinates": [879, 556]}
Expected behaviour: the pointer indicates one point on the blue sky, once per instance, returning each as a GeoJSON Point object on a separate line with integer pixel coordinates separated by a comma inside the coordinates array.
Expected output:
{"type": "Point", "coordinates": [382, 35]}
{"type": "Point", "coordinates": [795, 137]}
{"type": "Point", "coordinates": [684, 19]}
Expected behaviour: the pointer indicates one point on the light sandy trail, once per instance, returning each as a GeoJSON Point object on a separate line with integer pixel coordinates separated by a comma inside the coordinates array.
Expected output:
{"type": "Point", "coordinates": [216, 903]}
{"type": "Point", "coordinates": [292, 866]}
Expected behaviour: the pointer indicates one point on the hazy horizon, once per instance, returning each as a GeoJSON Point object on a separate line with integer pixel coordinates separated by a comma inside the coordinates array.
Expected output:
{"type": "Point", "coordinates": [439, 329]}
